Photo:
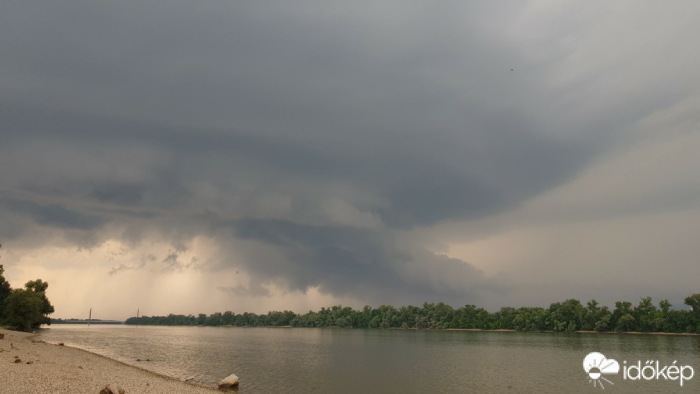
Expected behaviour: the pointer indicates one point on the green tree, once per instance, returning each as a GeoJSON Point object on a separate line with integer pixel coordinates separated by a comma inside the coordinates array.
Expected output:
{"type": "Point", "coordinates": [503, 319]}
{"type": "Point", "coordinates": [567, 316]}
{"type": "Point", "coordinates": [603, 324]}
{"type": "Point", "coordinates": [471, 316]}
{"type": "Point", "coordinates": [645, 314]}
{"type": "Point", "coordinates": [215, 319]}
{"type": "Point", "coordinates": [26, 309]}
{"type": "Point", "coordinates": [5, 290]}
{"type": "Point", "coordinates": [596, 317]}
{"type": "Point", "coordinates": [626, 323]}
{"type": "Point", "coordinates": [661, 323]}
{"type": "Point", "coordinates": [591, 315]}
{"type": "Point", "coordinates": [693, 301]}
{"type": "Point", "coordinates": [38, 286]}
{"type": "Point", "coordinates": [531, 319]}
{"type": "Point", "coordinates": [621, 308]}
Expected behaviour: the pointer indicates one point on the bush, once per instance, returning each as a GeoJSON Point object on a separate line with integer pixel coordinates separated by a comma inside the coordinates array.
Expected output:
{"type": "Point", "coordinates": [24, 310]}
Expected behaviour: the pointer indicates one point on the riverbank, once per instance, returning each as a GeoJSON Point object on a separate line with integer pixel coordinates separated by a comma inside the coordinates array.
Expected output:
{"type": "Point", "coordinates": [681, 334]}
{"type": "Point", "coordinates": [46, 368]}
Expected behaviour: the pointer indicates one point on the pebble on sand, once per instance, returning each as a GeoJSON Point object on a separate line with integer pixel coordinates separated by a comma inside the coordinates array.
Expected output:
{"type": "Point", "coordinates": [229, 381]}
{"type": "Point", "coordinates": [112, 389]}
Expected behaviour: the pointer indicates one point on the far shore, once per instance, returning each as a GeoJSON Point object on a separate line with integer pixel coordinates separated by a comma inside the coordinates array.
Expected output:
{"type": "Point", "coordinates": [685, 334]}
{"type": "Point", "coordinates": [28, 365]}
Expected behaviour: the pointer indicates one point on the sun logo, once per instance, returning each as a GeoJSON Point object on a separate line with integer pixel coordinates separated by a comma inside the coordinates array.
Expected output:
{"type": "Point", "coordinates": [596, 365]}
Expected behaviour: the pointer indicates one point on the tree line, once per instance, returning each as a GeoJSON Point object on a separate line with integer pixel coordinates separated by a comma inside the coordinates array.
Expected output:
{"type": "Point", "coordinates": [569, 315]}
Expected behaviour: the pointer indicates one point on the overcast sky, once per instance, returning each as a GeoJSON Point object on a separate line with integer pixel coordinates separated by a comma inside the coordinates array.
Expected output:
{"type": "Point", "coordinates": [188, 157]}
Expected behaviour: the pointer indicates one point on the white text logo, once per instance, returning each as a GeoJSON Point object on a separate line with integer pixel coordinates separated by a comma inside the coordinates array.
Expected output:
{"type": "Point", "coordinates": [597, 365]}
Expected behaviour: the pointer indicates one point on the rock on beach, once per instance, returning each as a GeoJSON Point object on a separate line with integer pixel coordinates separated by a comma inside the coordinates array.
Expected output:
{"type": "Point", "coordinates": [112, 389]}
{"type": "Point", "coordinates": [229, 381]}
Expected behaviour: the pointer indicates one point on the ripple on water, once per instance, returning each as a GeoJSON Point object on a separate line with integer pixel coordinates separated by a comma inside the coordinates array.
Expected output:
{"type": "Point", "coordinates": [392, 361]}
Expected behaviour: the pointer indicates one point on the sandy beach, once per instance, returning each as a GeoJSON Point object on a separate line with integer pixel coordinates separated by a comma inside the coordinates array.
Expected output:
{"type": "Point", "coordinates": [46, 368]}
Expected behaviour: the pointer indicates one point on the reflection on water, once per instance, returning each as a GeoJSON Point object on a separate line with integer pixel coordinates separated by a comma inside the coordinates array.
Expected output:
{"type": "Point", "coordinates": [273, 360]}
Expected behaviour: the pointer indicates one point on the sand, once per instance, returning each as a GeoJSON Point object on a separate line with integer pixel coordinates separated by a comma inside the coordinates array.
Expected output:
{"type": "Point", "coordinates": [46, 368]}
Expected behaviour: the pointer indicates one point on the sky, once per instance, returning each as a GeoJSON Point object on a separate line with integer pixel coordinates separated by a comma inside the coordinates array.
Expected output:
{"type": "Point", "coordinates": [195, 157]}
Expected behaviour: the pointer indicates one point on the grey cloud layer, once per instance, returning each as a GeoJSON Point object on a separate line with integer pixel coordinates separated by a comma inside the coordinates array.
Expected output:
{"type": "Point", "coordinates": [322, 132]}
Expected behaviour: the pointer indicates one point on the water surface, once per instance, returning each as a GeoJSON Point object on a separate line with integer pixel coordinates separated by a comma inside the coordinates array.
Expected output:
{"type": "Point", "coordinates": [309, 360]}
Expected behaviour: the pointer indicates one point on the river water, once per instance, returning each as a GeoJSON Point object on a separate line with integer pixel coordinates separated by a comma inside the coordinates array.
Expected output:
{"type": "Point", "coordinates": [310, 360]}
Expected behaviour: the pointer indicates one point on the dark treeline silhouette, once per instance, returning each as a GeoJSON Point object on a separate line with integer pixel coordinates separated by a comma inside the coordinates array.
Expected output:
{"type": "Point", "coordinates": [569, 315]}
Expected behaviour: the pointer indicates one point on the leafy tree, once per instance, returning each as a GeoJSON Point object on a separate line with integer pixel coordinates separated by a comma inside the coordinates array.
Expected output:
{"type": "Point", "coordinates": [661, 322]}
{"type": "Point", "coordinates": [503, 319]}
{"type": "Point", "coordinates": [228, 318]}
{"type": "Point", "coordinates": [215, 319]}
{"type": "Point", "coordinates": [5, 290]}
{"type": "Point", "coordinates": [567, 316]}
{"type": "Point", "coordinates": [470, 316]}
{"type": "Point", "coordinates": [603, 324]}
{"type": "Point", "coordinates": [693, 301]}
{"type": "Point", "coordinates": [26, 309]}
{"type": "Point", "coordinates": [596, 317]}
{"type": "Point", "coordinates": [645, 315]}
{"type": "Point", "coordinates": [681, 321]}
{"type": "Point", "coordinates": [621, 308]}
{"type": "Point", "coordinates": [665, 306]}
{"type": "Point", "coordinates": [38, 286]}
{"type": "Point", "coordinates": [531, 319]}
{"type": "Point", "coordinates": [626, 323]}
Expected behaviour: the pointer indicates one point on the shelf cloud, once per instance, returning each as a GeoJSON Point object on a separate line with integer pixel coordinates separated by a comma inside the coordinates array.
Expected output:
{"type": "Point", "coordinates": [360, 153]}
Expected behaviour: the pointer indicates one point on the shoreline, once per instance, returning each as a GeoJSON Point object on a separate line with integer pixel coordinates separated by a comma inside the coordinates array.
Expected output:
{"type": "Point", "coordinates": [686, 334]}
{"type": "Point", "coordinates": [683, 334]}
{"type": "Point", "coordinates": [48, 368]}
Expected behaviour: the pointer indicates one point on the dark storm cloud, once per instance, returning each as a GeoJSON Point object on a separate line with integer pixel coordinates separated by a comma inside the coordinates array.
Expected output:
{"type": "Point", "coordinates": [53, 215]}
{"type": "Point", "coordinates": [277, 122]}
{"type": "Point", "coordinates": [349, 261]}
{"type": "Point", "coordinates": [342, 255]}
{"type": "Point", "coordinates": [426, 177]}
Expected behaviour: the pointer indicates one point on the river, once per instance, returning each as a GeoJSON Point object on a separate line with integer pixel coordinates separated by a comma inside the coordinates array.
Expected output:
{"type": "Point", "coordinates": [309, 360]}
